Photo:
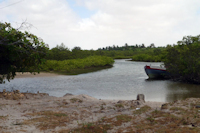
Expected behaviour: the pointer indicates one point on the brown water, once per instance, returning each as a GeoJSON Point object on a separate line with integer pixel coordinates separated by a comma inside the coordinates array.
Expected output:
{"type": "Point", "coordinates": [124, 81]}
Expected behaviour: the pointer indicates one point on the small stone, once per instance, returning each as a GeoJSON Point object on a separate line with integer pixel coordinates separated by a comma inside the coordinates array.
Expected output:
{"type": "Point", "coordinates": [17, 91]}
{"type": "Point", "coordinates": [138, 103]}
{"type": "Point", "coordinates": [18, 122]}
{"type": "Point", "coordinates": [22, 95]}
{"type": "Point", "coordinates": [165, 106]}
{"type": "Point", "coordinates": [65, 102]}
{"type": "Point", "coordinates": [68, 94]}
{"type": "Point", "coordinates": [120, 101]}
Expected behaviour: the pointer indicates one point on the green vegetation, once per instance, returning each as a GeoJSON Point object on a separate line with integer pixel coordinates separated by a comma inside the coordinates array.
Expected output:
{"type": "Point", "coordinates": [183, 60]}
{"type": "Point", "coordinates": [24, 52]}
{"type": "Point", "coordinates": [19, 52]}
{"type": "Point", "coordinates": [61, 52]}
{"type": "Point", "coordinates": [147, 58]}
{"type": "Point", "coordinates": [123, 118]}
{"type": "Point", "coordinates": [74, 66]}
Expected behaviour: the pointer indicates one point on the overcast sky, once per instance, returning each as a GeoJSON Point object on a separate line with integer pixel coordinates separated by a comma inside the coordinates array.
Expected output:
{"type": "Point", "coordinates": [93, 24]}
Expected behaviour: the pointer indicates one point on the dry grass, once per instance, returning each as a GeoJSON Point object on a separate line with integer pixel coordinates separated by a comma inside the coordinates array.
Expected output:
{"type": "Point", "coordinates": [120, 105]}
{"type": "Point", "coordinates": [123, 118]}
{"type": "Point", "coordinates": [142, 110]}
{"type": "Point", "coordinates": [142, 120]}
{"type": "Point", "coordinates": [73, 100]}
{"type": "Point", "coordinates": [48, 119]}
{"type": "Point", "coordinates": [3, 117]}
{"type": "Point", "coordinates": [100, 117]}
{"type": "Point", "coordinates": [97, 127]}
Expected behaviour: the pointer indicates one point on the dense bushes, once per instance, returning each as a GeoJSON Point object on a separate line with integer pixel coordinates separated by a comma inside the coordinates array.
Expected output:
{"type": "Point", "coordinates": [150, 55]}
{"type": "Point", "coordinates": [60, 52]}
{"type": "Point", "coordinates": [183, 60]}
{"type": "Point", "coordinates": [74, 64]}
{"type": "Point", "coordinates": [146, 58]}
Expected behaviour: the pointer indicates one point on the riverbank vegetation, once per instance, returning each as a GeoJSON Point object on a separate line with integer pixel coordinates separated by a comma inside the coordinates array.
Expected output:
{"type": "Point", "coordinates": [183, 60]}
{"type": "Point", "coordinates": [25, 52]}
{"type": "Point", "coordinates": [77, 66]}
{"type": "Point", "coordinates": [150, 55]}
{"type": "Point", "coordinates": [134, 52]}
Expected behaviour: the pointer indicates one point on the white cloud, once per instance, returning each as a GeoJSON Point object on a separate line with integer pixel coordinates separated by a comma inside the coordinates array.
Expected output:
{"type": "Point", "coordinates": [115, 21]}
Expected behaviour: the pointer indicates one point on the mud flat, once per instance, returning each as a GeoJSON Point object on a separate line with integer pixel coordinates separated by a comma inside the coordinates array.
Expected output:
{"type": "Point", "coordinates": [35, 113]}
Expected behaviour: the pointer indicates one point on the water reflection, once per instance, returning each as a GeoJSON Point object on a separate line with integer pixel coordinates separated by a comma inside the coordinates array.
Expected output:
{"type": "Point", "coordinates": [180, 91]}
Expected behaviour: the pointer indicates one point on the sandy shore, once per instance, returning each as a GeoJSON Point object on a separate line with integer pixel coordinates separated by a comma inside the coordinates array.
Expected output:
{"type": "Point", "coordinates": [29, 75]}
{"type": "Point", "coordinates": [35, 113]}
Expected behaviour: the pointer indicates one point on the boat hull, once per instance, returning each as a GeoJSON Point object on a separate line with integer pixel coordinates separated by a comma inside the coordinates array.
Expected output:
{"type": "Point", "coordinates": [156, 73]}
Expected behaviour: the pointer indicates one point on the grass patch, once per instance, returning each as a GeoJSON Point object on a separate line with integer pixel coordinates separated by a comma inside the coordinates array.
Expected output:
{"type": "Point", "coordinates": [48, 119]}
{"type": "Point", "coordinates": [117, 120]}
{"type": "Point", "coordinates": [3, 117]}
{"type": "Point", "coordinates": [78, 66]}
{"type": "Point", "coordinates": [141, 110]}
{"type": "Point", "coordinates": [123, 118]}
{"type": "Point", "coordinates": [73, 100]}
{"type": "Point", "coordinates": [151, 119]}
{"type": "Point", "coordinates": [159, 121]}
{"type": "Point", "coordinates": [92, 128]}
{"type": "Point", "coordinates": [177, 109]}
{"type": "Point", "coordinates": [82, 71]}
{"type": "Point", "coordinates": [119, 105]}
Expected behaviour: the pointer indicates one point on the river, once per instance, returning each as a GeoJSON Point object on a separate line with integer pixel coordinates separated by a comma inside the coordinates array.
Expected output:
{"type": "Point", "coordinates": [123, 81]}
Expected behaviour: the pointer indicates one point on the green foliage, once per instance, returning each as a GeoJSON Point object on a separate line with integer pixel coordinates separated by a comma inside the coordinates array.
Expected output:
{"type": "Point", "coordinates": [69, 65]}
{"type": "Point", "coordinates": [149, 55]}
{"type": "Point", "coordinates": [183, 60]}
{"type": "Point", "coordinates": [146, 58]}
{"type": "Point", "coordinates": [19, 52]}
{"type": "Point", "coordinates": [60, 52]}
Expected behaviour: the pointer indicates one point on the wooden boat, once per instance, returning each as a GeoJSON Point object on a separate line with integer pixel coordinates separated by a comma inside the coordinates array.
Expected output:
{"type": "Point", "coordinates": [156, 72]}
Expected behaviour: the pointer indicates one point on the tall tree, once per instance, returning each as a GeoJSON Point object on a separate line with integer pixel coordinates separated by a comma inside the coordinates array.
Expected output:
{"type": "Point", "coordinates": [183, 60]}
{"type": "Point", "coordinates": [19, 52]}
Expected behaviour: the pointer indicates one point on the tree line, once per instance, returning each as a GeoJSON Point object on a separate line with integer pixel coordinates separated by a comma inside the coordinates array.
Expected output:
{"type": "Point", "coordinates": [22, 51]}
{"type": "Point", "coordinates": [61, 52]}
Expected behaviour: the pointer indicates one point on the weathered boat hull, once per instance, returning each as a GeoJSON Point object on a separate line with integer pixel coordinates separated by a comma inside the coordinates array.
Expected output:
{"type": "Point", "coordinates": [156, 73]}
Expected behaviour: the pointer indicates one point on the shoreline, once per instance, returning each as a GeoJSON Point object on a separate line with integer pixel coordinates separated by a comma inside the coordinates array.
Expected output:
{"type": "Point", "coordinates": [57, 73]}
{"type": "Point", "coordinates": [29, 75]}
{"type": "Point", "coordinates": [39, 112]}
